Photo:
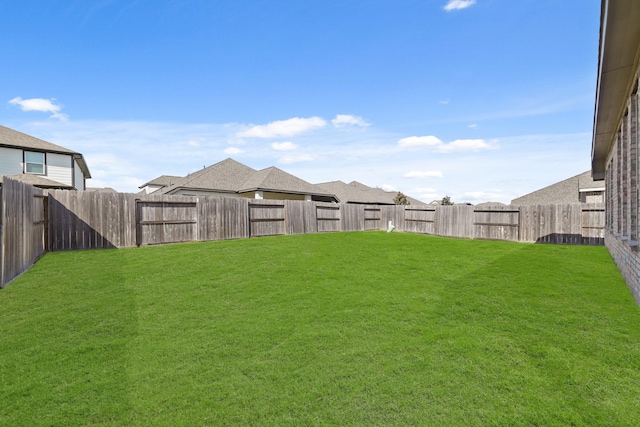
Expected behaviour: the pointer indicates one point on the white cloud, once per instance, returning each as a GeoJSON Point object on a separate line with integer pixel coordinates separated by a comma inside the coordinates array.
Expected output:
{"type": "Point", "coordinates": [233, 150]}
{"type": "Point", "coordinates": [113, 151]}
{"type": "Point", "coordinates": [426, 194]}
{"type": "Point", "coordinates": [458, 4]}
{"type": "Point", "coordinates": [472, 126]}
{"type": "Point", "coordinates": [193, 143]}
{"type": "Point", "coordinates": [343, 120]}
{"type": "Point", "coordinates": [298, 158]}
{"type": "Point", "coordinates": [444, 102]}
{"type": "Point", "coordinates": [423, 174]}
{"type": "Point", "coordinates": [485, 196]}
{"type": "Point", "coordinates": [465, 145]}
{"type": "Point", "coordinates": [42, 105]}
{"type": "Point", "coordinates": [284, 146]}
{"type": "Point", "coordinates": [388, 187]}
{"type": "Point", "coordinates": [437, 145]}
{"type": "Point", "coordinates": [419, 141]}
{"type": "Point", "coordinates": [289, 127]}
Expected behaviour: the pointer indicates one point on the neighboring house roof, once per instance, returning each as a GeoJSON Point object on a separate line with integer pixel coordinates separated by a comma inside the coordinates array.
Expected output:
{"type": "Point", "coordinates": [163, 180]}
{"type": "Point", "coordinates": [491, 205]}
{"type": "Point", "coordinates": [225, 176]}
{"type": "Point", "coordinates": [356, 192]}
{"type": "Point", "coordinates": [13, 138]}
{"type": "Point", "coordinates": [567, 191]}
{"type": "Point", "coordinates": [617, 64]}
{"type": "Point", "coordinates": [38, 181]}
{"type": "Point", "coordinates": [276, 180]}
{"type": "Point", "coordinates": [230, 176]}
{"type": "Point", "coordinates": [101, 190]}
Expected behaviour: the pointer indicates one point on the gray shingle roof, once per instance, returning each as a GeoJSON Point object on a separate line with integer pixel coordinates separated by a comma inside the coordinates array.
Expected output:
{"type": "Point", "coordinates": [277, 180]}
{"type": "Point", "coordinates": [231, 176]}
{"type": "Point", "coordinates": [164, 180]}
{"type": "Point", "coordinates": [13, 138]}
{"type": "Point", "coordinates": [100, 190]}
{"type": "Point", "coordinates": [225, 176]}
{"type": "Point", "coordinates": [566, 191]}
{"type": "Point", "coordinates": [356, 192]}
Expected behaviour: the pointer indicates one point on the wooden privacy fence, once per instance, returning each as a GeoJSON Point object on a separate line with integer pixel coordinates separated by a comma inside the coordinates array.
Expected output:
{"type": "Point", "coordinates": [22, 228]}
{"type": "Point", "coordinates": [81, 220]}
{"type": "Point", "coordinates": [32, 223]}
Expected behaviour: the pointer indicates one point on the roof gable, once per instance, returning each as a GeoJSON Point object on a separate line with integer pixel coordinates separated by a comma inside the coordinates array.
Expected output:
{"type": "Point", "coordinates": [565, 191]}
{"type": "Point", "coordinates": [227, 175]}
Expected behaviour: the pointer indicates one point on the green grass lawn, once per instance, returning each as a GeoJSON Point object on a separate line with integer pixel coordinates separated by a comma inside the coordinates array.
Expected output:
{"type": "Point", "coordinates": [327, 329]}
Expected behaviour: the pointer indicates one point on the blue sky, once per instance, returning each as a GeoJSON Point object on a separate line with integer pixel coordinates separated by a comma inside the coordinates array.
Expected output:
{"type": "Point", "coordinates": [481, 100]}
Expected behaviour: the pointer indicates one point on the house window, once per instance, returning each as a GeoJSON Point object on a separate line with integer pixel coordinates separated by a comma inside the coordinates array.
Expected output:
{"type": "Point", "coordinates": [34, 162]}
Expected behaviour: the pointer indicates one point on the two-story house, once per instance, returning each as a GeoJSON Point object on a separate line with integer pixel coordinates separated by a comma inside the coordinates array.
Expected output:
{"type": "Point", "coordinates": [40, 163]}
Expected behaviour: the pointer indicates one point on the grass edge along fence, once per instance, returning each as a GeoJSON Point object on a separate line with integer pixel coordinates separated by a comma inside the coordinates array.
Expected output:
{"type": "Point", "coordinates": [76, 220]}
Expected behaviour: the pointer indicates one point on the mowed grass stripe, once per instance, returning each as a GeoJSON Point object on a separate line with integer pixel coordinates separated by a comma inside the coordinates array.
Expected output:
{"type": "Point", "coordinates": [328, 329]}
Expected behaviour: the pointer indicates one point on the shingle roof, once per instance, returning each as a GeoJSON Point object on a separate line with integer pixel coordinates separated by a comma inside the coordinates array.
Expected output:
{"type": "Point", "coordinates": [356, 192]}
{"type": "Point", "coordinates": [226, 176]}
{"type": "Point", "coordinates": [13, 138]}
{"type": "Point", "coordinates": [163, 180]}
{"type": "Point", "coordinates": [100, 190]}
{"type": "Point", "coordinates": [38, 181]}
{"type": "Point", "coordinates": [233, 177]}
{"type": "Point", "coordinates": [566, 191]}
{"type": "Point", "coordinates": [277, 180]}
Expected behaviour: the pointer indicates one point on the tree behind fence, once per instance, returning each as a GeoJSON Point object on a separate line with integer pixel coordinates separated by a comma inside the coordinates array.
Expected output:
{"type": "Point", "coordinates": [87, 220]}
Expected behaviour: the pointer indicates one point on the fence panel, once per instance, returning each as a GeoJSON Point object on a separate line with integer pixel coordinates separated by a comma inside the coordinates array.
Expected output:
{"type": "Point", "coordinates": [353, 217]}
{"type": "Point", "coordinates": [420, 220]}
{"type": "Point", "coordinates": [455, 221]}
{"type": "Point", "coordinates": [266, 218]}
{"type": "Point", "coordinates": [163, 221]}
{"type": "Point", "coordinates": [22, 228]}
{"type": "Point", "coordinates": [499, 224]}
{"type": "Point", "coordinates": [328, 217]}
{"type": "Point", "coordinates": [372, 218]}
{"type": "Point", "coordinates": [295, 216]}
{"type": "Point", "coordinates": [592, 219]}
{"type": "Point", "coordinates": [232, 218]}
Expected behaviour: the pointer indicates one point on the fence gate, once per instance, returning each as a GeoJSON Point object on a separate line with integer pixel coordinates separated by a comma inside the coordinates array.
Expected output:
{"type": "Point", "coordinates": [159, 222]}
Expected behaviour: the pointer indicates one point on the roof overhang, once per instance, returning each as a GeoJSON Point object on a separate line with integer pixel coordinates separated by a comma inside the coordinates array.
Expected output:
{"type": "Point", "coordinates": [83, 165]}
{"type": "Point", "coordinates": [617, 65]}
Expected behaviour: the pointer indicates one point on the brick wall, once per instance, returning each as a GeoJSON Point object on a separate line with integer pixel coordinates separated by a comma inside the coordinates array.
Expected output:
{"type": "Point", "coordinates": [627, 258]}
